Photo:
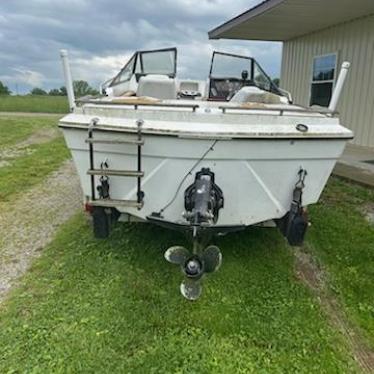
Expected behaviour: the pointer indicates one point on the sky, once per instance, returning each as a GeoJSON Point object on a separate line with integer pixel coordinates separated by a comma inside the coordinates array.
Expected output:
{"type": "Point", "coordinates": [101, 35]}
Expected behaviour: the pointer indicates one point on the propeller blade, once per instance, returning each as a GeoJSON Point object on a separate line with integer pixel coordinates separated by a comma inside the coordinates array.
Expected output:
{"type": "Point", "coordinates": [212, 258]}
{"type": "Point", "coordinates": [191, 289]}
{"type": "Point", "coordinates": [177, 255]}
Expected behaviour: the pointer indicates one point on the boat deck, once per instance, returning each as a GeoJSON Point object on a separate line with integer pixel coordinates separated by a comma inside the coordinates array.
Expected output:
{"type": "Point", "coordinates": [206, 119]}
{"type": "Point", "coordinates": [195, 105]}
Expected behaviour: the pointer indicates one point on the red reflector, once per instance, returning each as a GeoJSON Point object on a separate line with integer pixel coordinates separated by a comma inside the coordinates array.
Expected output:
{"type": "Point", "coordinates": [88, 208]}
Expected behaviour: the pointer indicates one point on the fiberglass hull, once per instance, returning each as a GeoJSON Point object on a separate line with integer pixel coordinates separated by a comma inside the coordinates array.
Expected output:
{"type": "Point", "coordinates": [257, 175]}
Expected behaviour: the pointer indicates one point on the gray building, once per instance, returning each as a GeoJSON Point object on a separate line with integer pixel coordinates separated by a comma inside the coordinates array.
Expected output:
{"type": "Point", "coordinates": [318, 36]}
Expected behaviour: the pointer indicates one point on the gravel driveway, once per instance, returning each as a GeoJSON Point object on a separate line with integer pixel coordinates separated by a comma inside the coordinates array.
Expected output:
{"type": "Point", "coordinates": [28, 224]}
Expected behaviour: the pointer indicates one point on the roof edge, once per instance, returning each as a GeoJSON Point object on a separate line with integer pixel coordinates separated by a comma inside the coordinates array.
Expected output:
{"type": "Point", "coordinates": [245, 16]}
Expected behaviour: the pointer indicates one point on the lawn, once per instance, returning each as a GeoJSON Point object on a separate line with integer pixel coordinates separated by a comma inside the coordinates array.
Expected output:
{"type": "Point", "coordinates": [30, 169]}
{"type": "Point", "coordinates": [343, 240]}
{"type": "Point", "coordinates": [32, 162]}
{"type": "Point", "coordinates": [114, 306]}
{"type": "Point", "coordinates": [34, 104]}
{"type": "Point", "coordinates": [17, 129]}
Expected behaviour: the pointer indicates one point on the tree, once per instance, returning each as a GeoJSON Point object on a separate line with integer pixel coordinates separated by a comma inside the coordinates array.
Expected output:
{"type": "Point", "coordinates": [38, 91]}
{"type": "Point", "coordinates": [4, 90]}
{"type": "Point", "coordinates": [276, 81]}
{"type": "Point", "coordinates": [82, 88]}
{"type": "Point", "coordinates": [63, 91]}
{"type": "Point", "coordinates": [58, 91]}
{"type": "Point", "coordinates": [54, 92]}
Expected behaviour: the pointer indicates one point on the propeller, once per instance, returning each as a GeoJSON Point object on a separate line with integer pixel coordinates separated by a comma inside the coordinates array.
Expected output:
{"type": "Point", "coordinates": [212, 258]}
{"type": "Point", "coordinates": [194, 267]}
{"type": "Point", "coordinates": [190, 289]}
{"type": "Point", "coordinates": [177, 255]}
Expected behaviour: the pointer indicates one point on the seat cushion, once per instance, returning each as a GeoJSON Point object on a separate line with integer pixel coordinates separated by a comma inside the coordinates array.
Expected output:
{"type": "Point", "coordinates": [158, 86]}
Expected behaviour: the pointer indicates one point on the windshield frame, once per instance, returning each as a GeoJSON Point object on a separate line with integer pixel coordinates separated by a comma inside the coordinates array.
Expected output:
{"type": "Point", "coordinates": [136, 59]}
{"type": "Point", "coordinates": [273, 87]}
{"type": "Point", "coordinates": [141, 53]}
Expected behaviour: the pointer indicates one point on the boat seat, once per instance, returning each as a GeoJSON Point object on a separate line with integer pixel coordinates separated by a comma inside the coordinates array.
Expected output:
{"type": "Point", "coordinates": [158, 86]}
{"type": "Point", "coordinates": [256, 95]}
{"type": "Point", "coordinates": [189, 85]}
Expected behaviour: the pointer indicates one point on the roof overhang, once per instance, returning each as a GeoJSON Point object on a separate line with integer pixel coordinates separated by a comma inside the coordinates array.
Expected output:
{"type": "Point", "coordinates": [280, 20]}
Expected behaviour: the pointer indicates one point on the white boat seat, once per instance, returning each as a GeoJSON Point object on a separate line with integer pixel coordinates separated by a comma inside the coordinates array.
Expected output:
{"type": "Point", "coordinates": [256, 95]}
{"type": "Point", "coordinates": [188, 85]}
{"type": "Point", "coordinates": [158, 86]}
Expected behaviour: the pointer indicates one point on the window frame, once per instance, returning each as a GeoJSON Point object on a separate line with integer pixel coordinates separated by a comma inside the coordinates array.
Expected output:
{"type": "Point", "coordinates": [333, 81]}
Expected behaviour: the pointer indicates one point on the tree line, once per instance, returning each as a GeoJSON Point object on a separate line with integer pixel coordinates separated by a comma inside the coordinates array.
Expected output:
{"type": "Point", "coordinates": [81, 88]}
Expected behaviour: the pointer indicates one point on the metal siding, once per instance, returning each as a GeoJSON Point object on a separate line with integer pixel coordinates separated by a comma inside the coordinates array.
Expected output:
{"type": "Point", "coordinates": [354, 42]}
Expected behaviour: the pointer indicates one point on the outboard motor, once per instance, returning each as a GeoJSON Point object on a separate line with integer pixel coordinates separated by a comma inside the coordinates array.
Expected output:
{"type": "Point", "coordinates": [202, 201]}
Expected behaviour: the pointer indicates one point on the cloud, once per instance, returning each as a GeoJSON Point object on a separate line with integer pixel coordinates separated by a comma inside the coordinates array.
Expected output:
{"type": "Point", "coordinates": [24, 76]}
{"type": "Point", "coordinates": [104, 67]}
{"type": "Point", "coordinates": [101, 35]}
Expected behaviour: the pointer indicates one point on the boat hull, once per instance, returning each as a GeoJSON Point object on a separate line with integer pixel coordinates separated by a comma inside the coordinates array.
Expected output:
{"type": "Point", "coordinates": [257, 176]}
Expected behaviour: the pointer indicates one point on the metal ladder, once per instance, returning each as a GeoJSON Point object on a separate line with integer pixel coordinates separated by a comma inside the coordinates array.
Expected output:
{"type": "Point", "coordinates": [138, 174]}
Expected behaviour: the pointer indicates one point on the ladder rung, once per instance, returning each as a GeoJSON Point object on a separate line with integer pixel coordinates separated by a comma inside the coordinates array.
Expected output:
{"type": "Point", "coordinates": [109, 203]}
{"type": "Point", "coordinates": [113, 141]}
{"type": "Point", "coordinates": [120, 173]}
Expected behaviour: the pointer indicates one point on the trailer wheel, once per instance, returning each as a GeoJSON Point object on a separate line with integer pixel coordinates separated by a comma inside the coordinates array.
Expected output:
{"type": "Point", "coordinates": [101, 222]}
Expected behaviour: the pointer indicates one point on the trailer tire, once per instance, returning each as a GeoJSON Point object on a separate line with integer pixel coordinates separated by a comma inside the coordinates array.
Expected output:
{"type": "Point", "coordinates": [101, 222]}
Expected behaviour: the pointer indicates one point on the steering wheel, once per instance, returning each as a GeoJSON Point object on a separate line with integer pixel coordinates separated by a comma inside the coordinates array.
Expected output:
{"type": "Point", "coordinates": [244, 84]}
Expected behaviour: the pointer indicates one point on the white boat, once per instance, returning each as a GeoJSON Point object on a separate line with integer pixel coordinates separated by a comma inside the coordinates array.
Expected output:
{"type": "Point", "coordinates": [202, 157]}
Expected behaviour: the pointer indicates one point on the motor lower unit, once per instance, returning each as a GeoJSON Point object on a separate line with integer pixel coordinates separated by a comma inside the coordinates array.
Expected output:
{"type": "Point", "coordinates": [202, 201]}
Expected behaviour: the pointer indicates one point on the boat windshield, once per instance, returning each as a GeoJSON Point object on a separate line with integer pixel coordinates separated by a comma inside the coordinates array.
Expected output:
{"type": "Point", "coordinates": [161, 61]}
{"type": "Point", "coordinates": [229, 73]}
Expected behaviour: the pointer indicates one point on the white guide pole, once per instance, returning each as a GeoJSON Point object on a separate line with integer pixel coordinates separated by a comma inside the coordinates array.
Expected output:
{"type": "Point", "coordinates": [339, 86]}
{"type": "Point", "coordinates": [68, 78]}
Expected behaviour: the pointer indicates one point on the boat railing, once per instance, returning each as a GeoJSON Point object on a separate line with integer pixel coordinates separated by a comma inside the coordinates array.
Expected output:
{"type": "Point", "coordinates": [224, 109]}
{"type": "Point", "coordinates": [281, 111]}
{"type": "Point", "coordinates": [136, 105]}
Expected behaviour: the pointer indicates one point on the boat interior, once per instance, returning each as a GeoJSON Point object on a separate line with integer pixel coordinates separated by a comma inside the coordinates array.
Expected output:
{"type": "Point", "coordinates": [152, 76]}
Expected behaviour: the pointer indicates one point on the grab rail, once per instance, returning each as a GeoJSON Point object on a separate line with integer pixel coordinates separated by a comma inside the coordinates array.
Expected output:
{"type": "Point", "coordinates": [136, 105]}
{"type": "Point", "coordinates": [280, 110]}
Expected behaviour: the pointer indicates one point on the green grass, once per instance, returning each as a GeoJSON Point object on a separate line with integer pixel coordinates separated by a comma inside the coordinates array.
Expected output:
{"type": "Point", "coordinates": [34, 103]}
{"type": "Point", "coordinates": [16, 129]}
{"type": "Point", "coordinates": [29, 170]}
{"type": "Point", "coordinates": [344, 241]}
{"type": "Point", "coordinates": [114, 306]}
{"type": "Point", "coordinates": [37, 160]}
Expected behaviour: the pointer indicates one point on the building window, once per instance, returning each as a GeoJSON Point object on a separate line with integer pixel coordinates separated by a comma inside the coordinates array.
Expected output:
{"type": "Point", "coordinates": [324, 68]}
